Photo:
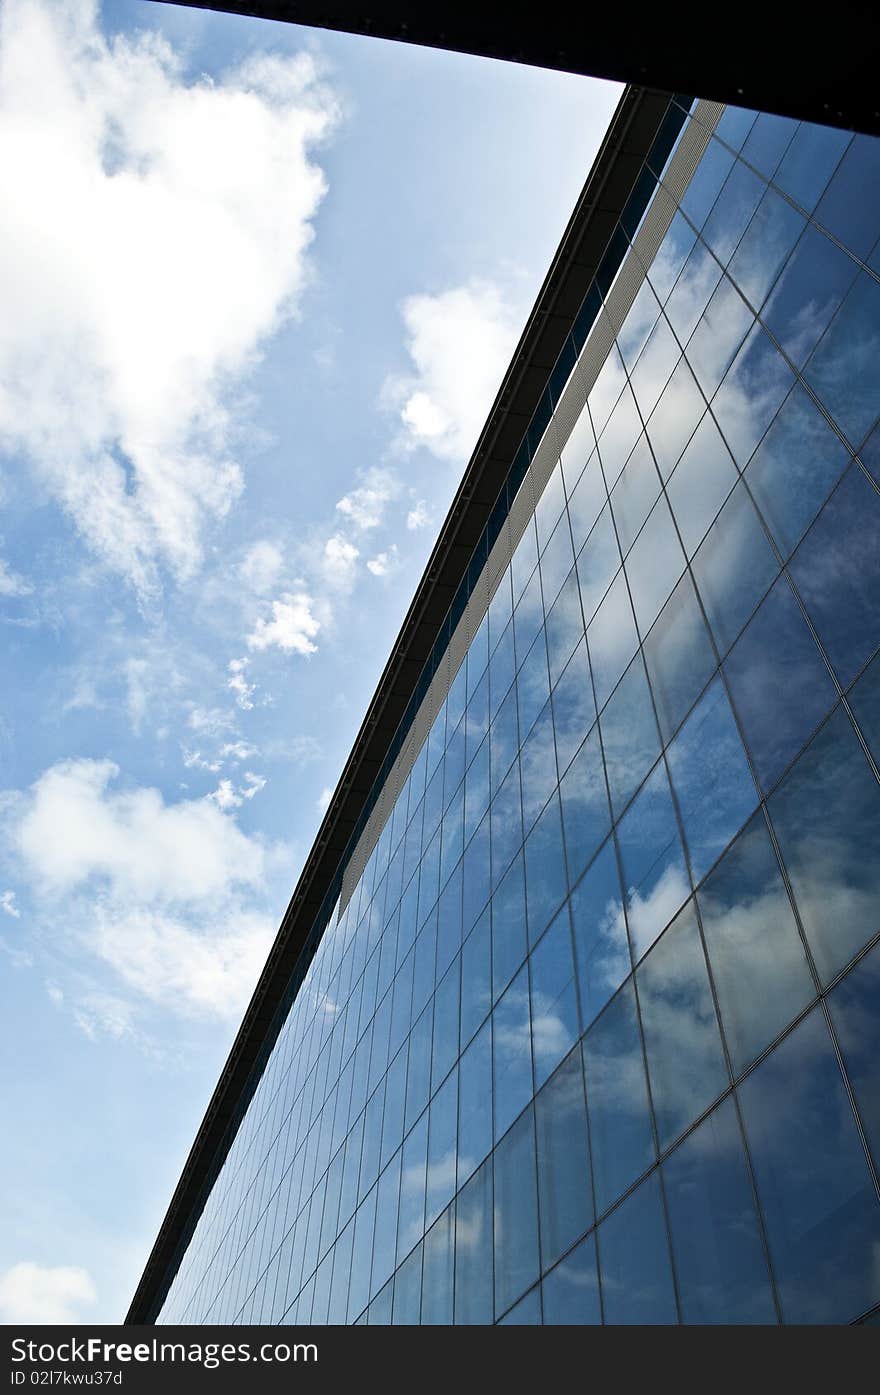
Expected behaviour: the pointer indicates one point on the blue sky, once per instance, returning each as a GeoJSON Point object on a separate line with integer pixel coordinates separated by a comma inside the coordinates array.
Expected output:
{"type": "Point", "coordinates": [259, 287]}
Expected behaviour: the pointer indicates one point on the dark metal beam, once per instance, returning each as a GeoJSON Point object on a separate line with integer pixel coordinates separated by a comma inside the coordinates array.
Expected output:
{"type": "Point", "coordinates": [819, 66]}
{"type": "Point", "coordinates": [610, 182]}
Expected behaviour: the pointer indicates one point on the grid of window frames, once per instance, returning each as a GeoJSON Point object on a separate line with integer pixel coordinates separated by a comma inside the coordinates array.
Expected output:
{"type": "Point", "coordinates": [594, 1039]}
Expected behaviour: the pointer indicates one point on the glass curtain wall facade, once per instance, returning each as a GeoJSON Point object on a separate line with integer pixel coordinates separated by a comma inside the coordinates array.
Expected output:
{"type": "Point", "coordinates": [594, 1038]}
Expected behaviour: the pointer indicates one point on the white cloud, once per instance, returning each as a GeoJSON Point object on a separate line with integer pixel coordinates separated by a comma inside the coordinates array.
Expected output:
{"type": "Point", "coordinates": [262, 566]}
{"type": "Point", "coordinates": [419, 516]}
{"type": "Point", "coordinates": [384, 562]}
{"type": "Point", "coordinates": [166, 894]}
{"type": "Point", "coordinates": [365, 506]}
{"type": "Point", "coordinates": [292, 627]}
{"type": "Point", "coordinates": [7, 904]}
{"type": "Point", "coordinates": [194, 760]}
{"type": "Point", "coordinates": [211, 721]}
{"type": "Point", "coordinates": [237, 750]}
{"type": "Point", "coordinates": [238, 684]}
{"type": "Point", "coordinates": [11, 584]}
{"type": "Point", "coordinates": [55, 993]}
{"type": "Point", "coordinates": [460, 342]}
{"type": "Point", "coordinates": [253, 784]}
{"type": "Point", "coordinates": [124, 338]}
{"type": "Point", "coordinates": [225, 797]}
{"type": "Point", "coordinates": [324, 799]}
{"type": "Point", "coordinates": [36, 1293]}
{"type": "Point", "coordinates": [73, 828]}
{"type": "Point", "coordinates": [338, 562]}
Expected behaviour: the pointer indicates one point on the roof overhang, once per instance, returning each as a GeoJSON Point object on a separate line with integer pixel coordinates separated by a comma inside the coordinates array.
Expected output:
{"type": "Point", "coordinates": [776, 58]}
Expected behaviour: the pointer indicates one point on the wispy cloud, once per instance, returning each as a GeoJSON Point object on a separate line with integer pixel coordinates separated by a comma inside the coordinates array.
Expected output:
{"type": "Point", "coordinates": [365, 506]}
{"type": "Point", "coordinates": [419, 516]}
{"type": "Point", "coordinates": [11, 584]}
{"type": "Point", "coordinates": [7, 904]}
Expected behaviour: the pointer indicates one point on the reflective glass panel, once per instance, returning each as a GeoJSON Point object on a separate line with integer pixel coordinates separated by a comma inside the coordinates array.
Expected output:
{"type": "Point", "coordinates": [621, 1139]}
{"type": "Point", "coordinates": [634, 1260]}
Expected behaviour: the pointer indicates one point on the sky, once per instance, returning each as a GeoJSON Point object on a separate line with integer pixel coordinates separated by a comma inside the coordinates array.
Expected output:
{"type": "Point", "coordinates": [258, 288]}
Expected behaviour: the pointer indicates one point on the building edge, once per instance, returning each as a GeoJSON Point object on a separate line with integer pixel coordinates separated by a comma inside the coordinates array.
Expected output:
{"type": "Point", "coordinates": [635, 126]}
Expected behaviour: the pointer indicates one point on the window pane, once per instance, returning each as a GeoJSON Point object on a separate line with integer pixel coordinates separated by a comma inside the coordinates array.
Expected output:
{"type": "Point", "coordinates": [585, 811]}
{"type": "Point", "coordinates": [755, 387]}
{"type": "Point", "coordinates": [600, 943]}
{"type": "Point", "coordinates": [506, 817]}
{"type": "Point", "coordinates": [711, 777]}
{"type": "Point", "coordinates": [611, 639]}
{"type": "Point", "coordinates": [587, 500]}
{"type": "Point", "coordinates": [837, 571]}
{"type": "Point", "coordinates": [408, 1291]}
{"type": "Point", "coordinates": [437, 1271]}
{"type": "Point", "coordinates": [844, 370]}
{"type": "Point", "coordinates": [474, 1093]}
{"type": "Point", "coordinates": [722, 328]}
{"type": "Point", "coordinates": [674, 251]}
{"type": "Point", "coordinates": [811, 287]}
{"type": "Point", "coordinates": [701, 483]}
{"type": "Point", "coordinates": [675, 418]}
{"type": "Point", "coordinates": [733, 568]}
{"type": "Point", "coordinates": [734, 207]}
{"type": "Point", "coordinates": [716, 1241]}
{"type": "Point", "coordinates": [532, 685]}
{"type": "Point", "coordinates": [473, 1249]}
{"type": "Point", "coordinates": [512, 1053]}
{"type": "Point", "coordinates": [820, 1208]}
{"type": "Point", "coordinates": [654, 368]}
{"type": "Point", "coordinates": [516, 1213]}
{"type": "Point", "coordinates": [410, 1219]}
{"type": "Point", "coordinates": [565, 626]}
{"type": "Point", "coordinates": [654, 876]}
{"type": "Point", "coordinates": [692, 291]}
{"type": "Point", "coordinates": [629, 735]}
{"type": "Point", "coordinates": [442, 1148]}
{"type": "Point", "coordinates": [619, 436]}
{"type": "Point", "coordinates": [634, 1260]}
{"type": "Point", "coordinates": [445, 1048]}
{"type": "Point", "coordinates": [557, 561]}
{"type": "Point", "coordinates": [827, 817]}
{"type": "Point", "coordinates": [634, 494]}
{"type": "Point", "coordinates": [654, 565]}
{"type": "Point", "coordinates": [780, 685]}
{"type": "Point", "coordinates": [617, 1100]}
{"type": "Point", "coordinates": [679, 656]}
{"type": "Point", "coordinates": [849, 207]}
{"type": "Point", "coordinates": [570, 1292]}
{"type": "Point", "coordinates": [553, 997]}
{"type": "Point", "coordinates": [765, 245]}
{"type": "Point", "coordinates": [597, 563]}
{"type": "Point", "coordinates": [565, 1199]}
{"type": "Point", "coordinates": [538, 767]}
{"type": "Point", "coordinates": [527, 1312]}
{"type": "Point", "coordinates": [385, 1243]}
{"type": "Point", "coordinates": [755, 952]}
{"type": "Point", "coordinates": [476, 978]}
{"type": "Point", "coordinates": [685, 1059]}
{"type": "Point", "coordinates": [574, 710]}
{"type": "Point", "coordinates": [810, 161]}
{"type": "Point", "coordinates": [794, 469]}
{"type": "Point", "coordinates": [854, 1010]}
{"type": "Point", "coordinates": [508, 927]}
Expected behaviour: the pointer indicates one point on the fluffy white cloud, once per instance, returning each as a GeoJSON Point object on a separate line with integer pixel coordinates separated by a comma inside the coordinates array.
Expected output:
{"type": "Point", "coordinates": [385, 562]}
{"type": "Point", "coordinates": [460, 342]}
{"type": "Point", "coordinates": [35, 1293]}
{"type": "Point", "coordinates": [124, 338]}
{"type": "Point", "coordinates": [419, 516]}
{"type": "Point", "coordinates": [292, 627]}
{"type": "Point", "coordinates": [365, 506]}
{"type": "Point", "coordinates": [324, 800]}
{"type": "Point", "coordinates": [7, 904]}
{"type": "Point", "coordinates": [262, 566]}
{"type": "Point", "coordinates": [74, 828]}
{"type": "Point", "coordinates": [167, 894]}
{"type": "Point", "coordinates": [253, 784]}
{"type": "Point", "coordinates": [237, 750]}
{"type": "Point", "coordinates": [11, 584]}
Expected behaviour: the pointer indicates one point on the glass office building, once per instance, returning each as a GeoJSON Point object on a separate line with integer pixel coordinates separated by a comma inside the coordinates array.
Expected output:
{"type": "Point", "coordinates": [589, 1030]}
